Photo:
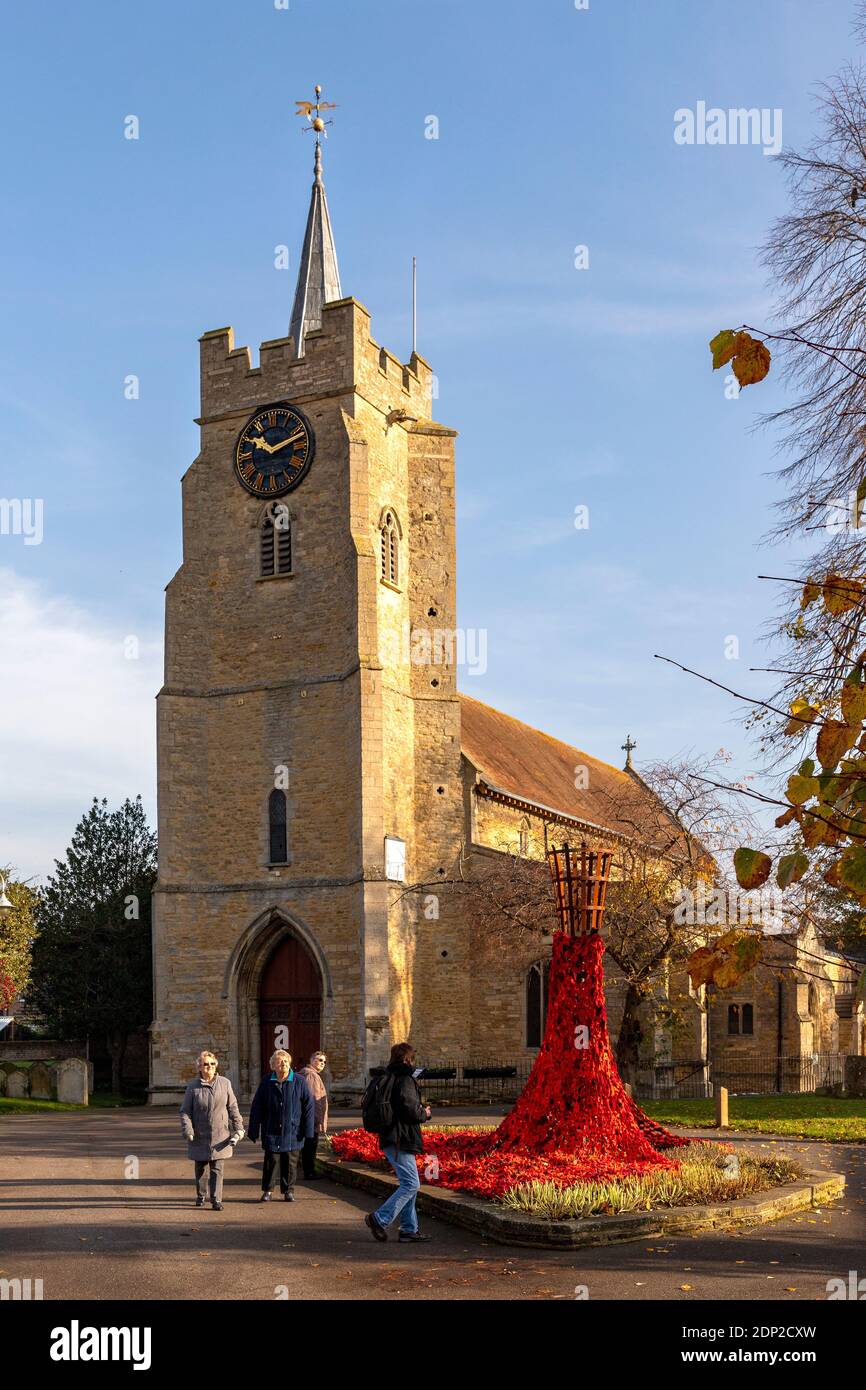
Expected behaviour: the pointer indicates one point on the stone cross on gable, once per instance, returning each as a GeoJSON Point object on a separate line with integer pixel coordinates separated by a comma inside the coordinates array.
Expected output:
{"type": "Point", "coordinates": [627, 748]}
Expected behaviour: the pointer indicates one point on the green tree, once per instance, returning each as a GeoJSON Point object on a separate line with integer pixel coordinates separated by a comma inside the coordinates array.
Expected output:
{"type": "Point", "coordinates": [91, 957]}
{"type": "Point", "coordinates": [16, 939]}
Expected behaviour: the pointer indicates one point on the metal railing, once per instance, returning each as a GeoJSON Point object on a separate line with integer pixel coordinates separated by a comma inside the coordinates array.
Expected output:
{"type": "Point", "coordinates": [473, 1083]}
{"type": "Point", "coordinates": [761, 1073]}
{"type": "Point", "coordinates": [499, 1081]}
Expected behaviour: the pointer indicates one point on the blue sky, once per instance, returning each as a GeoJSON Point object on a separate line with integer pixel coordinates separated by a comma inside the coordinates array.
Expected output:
{"type": "Point", "coordinates": [568, 387]}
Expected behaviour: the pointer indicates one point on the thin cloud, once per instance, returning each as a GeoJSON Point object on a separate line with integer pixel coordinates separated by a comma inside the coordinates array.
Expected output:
{"type": "Point", "coordinates": [78, 719]}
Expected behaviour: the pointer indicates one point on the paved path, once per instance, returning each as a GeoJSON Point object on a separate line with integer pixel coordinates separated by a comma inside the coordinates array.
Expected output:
{"type": "Point", "coordinates": [71, 1217]}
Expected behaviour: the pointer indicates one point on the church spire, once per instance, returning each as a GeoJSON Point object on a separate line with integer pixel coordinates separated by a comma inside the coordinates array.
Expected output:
{"type": "Point", "coordinates": [318, 274]}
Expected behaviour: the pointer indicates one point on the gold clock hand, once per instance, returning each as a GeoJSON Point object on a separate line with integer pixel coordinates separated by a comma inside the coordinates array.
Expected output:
{"type": "Point", "coordinates": [263, 444]}
{"type": "Point", "coordinates": [299, 434]}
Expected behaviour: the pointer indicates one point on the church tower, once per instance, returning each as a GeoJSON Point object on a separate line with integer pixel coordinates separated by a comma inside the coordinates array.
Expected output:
{"type": "Point", "coordinates": [308, 769]}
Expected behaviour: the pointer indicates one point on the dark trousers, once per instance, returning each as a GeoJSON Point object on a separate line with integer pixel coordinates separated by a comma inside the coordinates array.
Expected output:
{"type": "Point", "coordinates": [309, 1155]}
{"type": "Point", "coordinates": [216, 1179]}
{"type": "Point", "coordinates": [288, 1169]}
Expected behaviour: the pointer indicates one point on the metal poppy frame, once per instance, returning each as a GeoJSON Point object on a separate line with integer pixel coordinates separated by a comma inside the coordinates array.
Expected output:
{"type": "Point", "coordinates": [580, 878]}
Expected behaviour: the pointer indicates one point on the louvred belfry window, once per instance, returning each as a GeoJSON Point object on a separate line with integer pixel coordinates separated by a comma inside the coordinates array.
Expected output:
{"type": "Point", "coordinates": [276, 544]}
{"type": "Point", "coordinates": [267, 552]}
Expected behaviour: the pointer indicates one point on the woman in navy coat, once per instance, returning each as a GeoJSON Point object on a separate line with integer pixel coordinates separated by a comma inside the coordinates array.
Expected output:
{"type": "Point", "coordinates": [284, 1114]}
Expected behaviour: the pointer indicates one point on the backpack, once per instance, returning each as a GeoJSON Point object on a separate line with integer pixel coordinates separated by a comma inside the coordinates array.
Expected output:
{"type": "Point", "coordinates": [377, 1112]}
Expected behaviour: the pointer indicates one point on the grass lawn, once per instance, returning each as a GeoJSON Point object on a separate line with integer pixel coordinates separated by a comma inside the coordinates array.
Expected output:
{"type": "Point", "coordinates": [803, 1117]}
{"type": "Point", "coordinates": [11, 1106]}
{"type": "Point", "coordinates": [99, 1100]}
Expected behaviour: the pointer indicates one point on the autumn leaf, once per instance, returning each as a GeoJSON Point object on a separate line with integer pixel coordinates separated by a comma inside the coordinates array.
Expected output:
{"type": "Point", "coordinates": [811, 591]}
{"type": "Point", "coordinates": [841, 594]}
{"type": "Point", "coordinates": [814, 830]}
{"type": "Point", "coordinates": [832, 875]}
{"type": "Point", "coordinates": [791, 868]}
{"type": "Point", "coordinates": [701, 965]}
{"type": "Point", "coordinates": [853, 700]}
{"type": "Point", "coordinates": [751, 359]}
{"type": "Point", "coordinates": [727, 974]}
{"type": "Point", "coordinates": [801, 789]}
{"type": "Point", "coordinates": [722, 347]}
{"type": "Point", "coordinates": [748, 950]}
{"type": "Point", "coordinates": [852, 869]}
{"type": "Point", "coordinates": [834, 739]}
{"type": "Point", "coordinates": [803, 713]}
{"type": "Point", "coordinates": [786, 817]}
{"type": "Point", "coordinates": [752, 867]}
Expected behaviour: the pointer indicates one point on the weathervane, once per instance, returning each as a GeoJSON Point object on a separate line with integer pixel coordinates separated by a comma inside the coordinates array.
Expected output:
{"type": "Point", "coordinates": [306, 108]}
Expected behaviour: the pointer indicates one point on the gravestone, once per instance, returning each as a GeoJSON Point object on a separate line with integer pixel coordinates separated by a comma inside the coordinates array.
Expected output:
{"type": "Point", "coordinates": [72, 1081]}
{"type": "Point", "coordinates": [17, 1085]}
{"type": "Point", "coordinates": [41, 1082]}
{"type": "Point", "coordinates": [855, 1076]}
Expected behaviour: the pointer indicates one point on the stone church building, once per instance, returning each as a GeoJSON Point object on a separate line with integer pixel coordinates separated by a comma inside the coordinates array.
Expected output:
{"type": "Point", "coordinates": [315, 758]}
{"type": "Point", "coordinates": [316, 762]}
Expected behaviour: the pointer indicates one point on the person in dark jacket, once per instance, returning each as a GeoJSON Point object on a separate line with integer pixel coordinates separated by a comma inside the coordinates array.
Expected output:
{"type": "Point", "coordinates": [284, 1113]}
{"type": "Point", "coordinates": [400, 1144]}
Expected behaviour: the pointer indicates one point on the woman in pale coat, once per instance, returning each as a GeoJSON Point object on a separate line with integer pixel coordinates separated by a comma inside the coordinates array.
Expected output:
{"type": "Point", "coordinates": [211, 1123]}
{"type": "Point", "coordinates": [313, 1073]}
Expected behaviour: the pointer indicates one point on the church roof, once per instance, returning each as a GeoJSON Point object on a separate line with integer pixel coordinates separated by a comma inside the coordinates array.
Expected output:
{"type": "Point", "coordinates": [318, 274]}
{"type": "Point", "coordinates": [528, 765]}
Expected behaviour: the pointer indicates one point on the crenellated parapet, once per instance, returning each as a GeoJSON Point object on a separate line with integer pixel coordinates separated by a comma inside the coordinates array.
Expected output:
{"type": "Point", "coordinates": [340, 359]}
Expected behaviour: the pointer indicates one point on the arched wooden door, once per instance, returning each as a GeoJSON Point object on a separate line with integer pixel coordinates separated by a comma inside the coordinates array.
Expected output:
{"type": "Point", "coordinates": [290, 1003]}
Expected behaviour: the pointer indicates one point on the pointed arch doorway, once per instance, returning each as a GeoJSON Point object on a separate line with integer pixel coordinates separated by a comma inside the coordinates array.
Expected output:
{"type": "Point", "coordinates": [290, 1003]}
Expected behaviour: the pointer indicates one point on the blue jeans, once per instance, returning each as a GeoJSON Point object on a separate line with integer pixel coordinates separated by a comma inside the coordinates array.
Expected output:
{"type": "Point", "coordinates": [401, 1202]}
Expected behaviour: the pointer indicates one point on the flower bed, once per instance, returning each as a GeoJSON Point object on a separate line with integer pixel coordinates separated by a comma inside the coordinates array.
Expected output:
{"type": "Point", "coordinates": [703, 1176]}
{"type": "Point", "coordinates": [462, 1159]}
{"type": "Point", "coordinates": [573, 1122]}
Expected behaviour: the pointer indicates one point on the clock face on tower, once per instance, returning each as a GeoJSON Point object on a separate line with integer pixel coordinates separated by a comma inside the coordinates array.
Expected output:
{"type": "Point", "coordinates": [274, 450]}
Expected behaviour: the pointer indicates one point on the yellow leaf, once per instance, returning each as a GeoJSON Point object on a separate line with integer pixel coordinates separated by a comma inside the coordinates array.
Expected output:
{"type": "Point", "coordinates": [833, 876]}
{"type": "Point", "coordinates": [801, 789]}
{"type": "Point", "coordinates": [752, 867]}
{"type": "Point", "coordinates": [701, 965]}
{"type": "Point", "coordinates": [853, 699]}
{"type": "Point", "coordinates": [834, 739]}
{"type": "Point", "coordinates": [751, 359]}
{"type": "Point", "coordinates": [803, 714]}
{"type": "Point", "coordinates": [840, 593]}
{"type": "Point", "coordinates": [791, 869]}
{"type": "Point", "coordinates": [722, 347]}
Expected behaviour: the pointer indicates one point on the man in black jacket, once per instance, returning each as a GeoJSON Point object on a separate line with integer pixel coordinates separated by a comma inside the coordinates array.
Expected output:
{"type": "Point", "coordinates": [400, 1144]}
